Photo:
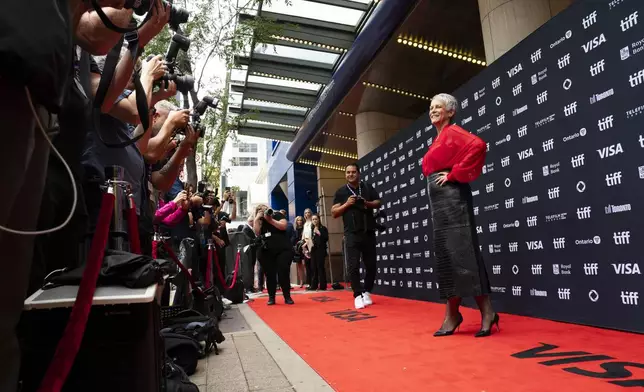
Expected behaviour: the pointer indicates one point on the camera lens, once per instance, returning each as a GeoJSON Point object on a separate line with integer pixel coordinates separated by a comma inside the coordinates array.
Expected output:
{"type": "Point", "coordinates": [269, 212]}
{"type": "Point", "coordinates": [178, 16]}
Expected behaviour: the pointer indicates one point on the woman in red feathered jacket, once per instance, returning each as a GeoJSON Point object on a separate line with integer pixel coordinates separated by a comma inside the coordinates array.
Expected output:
{"type": "Point", "coordinates": [454, 160]}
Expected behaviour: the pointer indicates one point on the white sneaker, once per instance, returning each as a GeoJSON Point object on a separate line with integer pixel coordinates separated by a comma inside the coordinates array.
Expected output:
{"type": "Point", "coordinates": [366, 299]}
{"type": "Point", "coordinates": [359, 304]}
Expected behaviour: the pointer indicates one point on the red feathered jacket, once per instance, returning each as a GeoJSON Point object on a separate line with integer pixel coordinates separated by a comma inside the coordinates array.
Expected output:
{"type": "Point", "coordinates": [457, 150]}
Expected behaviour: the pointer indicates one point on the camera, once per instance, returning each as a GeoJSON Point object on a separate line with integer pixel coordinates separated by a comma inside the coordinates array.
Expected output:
{"type": "Point", "coordinates": [258, 242]}
{"type": "Point", "coordinates": [185, 83]}
{"type": "Point", "coordinates": [380, 215]}
{"type": "Point", "coordinates": [269, 212]}
{"type": "Point", "coordinates": [199, 110]}
{"type": "Point", "coordinates": [178, 15]}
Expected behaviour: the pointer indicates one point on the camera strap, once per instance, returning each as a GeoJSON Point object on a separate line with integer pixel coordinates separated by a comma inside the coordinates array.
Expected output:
{"type": "Point", "coordinates": [108, 23]}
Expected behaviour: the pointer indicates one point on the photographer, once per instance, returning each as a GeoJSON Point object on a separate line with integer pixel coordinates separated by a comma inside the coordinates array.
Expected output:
{"type": "Point", "coordinates": [275, 255]}
{"type": "Point", "coordinates": [355, 202]}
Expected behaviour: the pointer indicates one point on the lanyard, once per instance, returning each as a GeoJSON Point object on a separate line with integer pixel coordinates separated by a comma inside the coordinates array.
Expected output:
{"type": "Point", "coordinates": [359, 190]}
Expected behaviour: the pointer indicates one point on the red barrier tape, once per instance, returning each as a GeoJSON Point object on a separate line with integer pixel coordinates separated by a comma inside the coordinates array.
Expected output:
{"type": "Point", "coordinates": [155, 244]}
{"type": "Point", "coordinates": [221, 275]}
{"type": "Point", "coordinates": [182, 267]}
{"type": "Point", "coordinates": [133, 227]}
{"type": "Point", "coordinates": [69, 344]}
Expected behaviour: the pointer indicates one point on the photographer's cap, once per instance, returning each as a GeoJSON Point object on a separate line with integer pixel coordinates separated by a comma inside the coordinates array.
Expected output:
{"type": "Point", "coordinates": [223, 216]}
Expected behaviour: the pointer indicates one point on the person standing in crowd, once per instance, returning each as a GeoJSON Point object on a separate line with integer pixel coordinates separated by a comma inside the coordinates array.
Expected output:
{"type": "Point", "coordinates": [276, 256]}
{"type": "Point", "coordinates": [307, 237]}
{"type": "Point", "coordinates": [355, 202]}
{"type": "Point", "coordinates": [318, 255]}
{"type": "Point", "coordinates": [454, 160]}
{"type": "Point", "coordinates": [298, 258]}
{"type": "Point", "coordinates": [247, 229]}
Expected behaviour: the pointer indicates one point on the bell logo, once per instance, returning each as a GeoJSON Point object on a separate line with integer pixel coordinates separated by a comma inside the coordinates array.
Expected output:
{"type": "Point", "coordinates": [594, 43]}
{"type": "Point", "coordinates": [630, 297]}
{"type": "Point", "coordinates": [559, 243]}
{"type": "Point", "coordinates": [578, 160]}
{"type": "Point", "coordinates": [605, 123]}
{"type": "Point", "coordinates": [564, 61]}
{"type": "Point", "coordinates": [614, 179]}
{"type": "Point", "coordinates": [591, 268]}
{"type": "Point", "coordinates": [515, 70]}
{"type": "Point", "coordinates": [534, 245]}
{"type": "Point", "coordinates": [496, 269]}
{"type": "Point", "coordinates": [627, 269]}
{"type": "Point", "coordinates": [622, 237]}
{"type": "Point", "coordinates": [525, 154]}
{"type": "Point", "coordinates": [637, 78]}
{"type": "Point", "coordinates": [564, 294]}
{"type": "Point", "coordinates": [583, 212]}
{"type": "Point", "coordinates": [516, 291]}
{"type": "Point", "coordinates": [531, 221]}
{"type": "Point", "coordinates": [597, 68]}
{"type": "Point", "coordinates": [513, 247]}
{"type": "Point", "coordinates": [610, 151]}
{"type": "Point", "coordinates": [536, 269]}
{"type": "Point", "coordinates": [629, 21]}
{"type": "Point", "coordinates": [542, 97]}
{"type": "Point", "coordinates": [570, 109]}
{"type": "Point", "coordinates": [589, 20]}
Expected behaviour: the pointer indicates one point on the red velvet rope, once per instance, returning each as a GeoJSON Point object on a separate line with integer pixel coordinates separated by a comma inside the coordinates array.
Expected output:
{"type": "Point", "coordinates": [209, 269]}
{"type": "Point", "coordinates": [155, 244]}
{"type": "Point", "coordinates": [221, 275]}
{"type": "Point", "coordinates": [133, 226]}
{"type": "Point", "coordinates": [182, 267]}
{"type": "Point", "coordinates": [69, 344]}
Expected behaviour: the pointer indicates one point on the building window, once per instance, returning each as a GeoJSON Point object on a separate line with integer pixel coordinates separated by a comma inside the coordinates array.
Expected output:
{"type": "Point", "coordinates": [244, 161]}
{"type": "Point", "coordinates": [245, 147]}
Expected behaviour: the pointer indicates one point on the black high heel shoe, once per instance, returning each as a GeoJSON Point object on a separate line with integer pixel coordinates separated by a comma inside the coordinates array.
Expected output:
{"type": "Point", "coordinates": [487, 332]}
{"type": "Point", "coordinates": [442, 332]}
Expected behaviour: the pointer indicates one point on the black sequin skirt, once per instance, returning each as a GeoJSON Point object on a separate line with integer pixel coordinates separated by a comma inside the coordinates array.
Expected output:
{"type": "Point", "coordinates": [459, 264]}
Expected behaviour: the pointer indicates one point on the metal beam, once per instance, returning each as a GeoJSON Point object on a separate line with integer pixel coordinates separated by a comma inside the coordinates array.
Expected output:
{"type": "Point", "coordinates": [310, 71]}
{"type": "Point", "coordinates": [285, 119]}
{"type": "Point", "coordinates": [278, 94]}
{"type": "Point", "coordinates": [274, 110]}
{"type": "Point", "coordinates": [311, 30]}
{"type": "Point", "coordinates": [354, 5]}
{"type": "Point", "coordinates": [285, 136]}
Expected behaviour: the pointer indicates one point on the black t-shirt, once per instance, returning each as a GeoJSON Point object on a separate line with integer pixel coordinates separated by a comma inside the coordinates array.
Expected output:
{"type": "Point", "coordinates": [357, 218]}
{"type": "Point", "coordinates": [279, 240]}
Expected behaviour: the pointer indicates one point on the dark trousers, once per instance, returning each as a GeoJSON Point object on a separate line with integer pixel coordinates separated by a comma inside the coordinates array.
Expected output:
{"type": "Point", "coordinates": [357, 246]}
{"type": "Point", "coordinates": [277, 266]}
{"type": "Point", "coordinates": [261, 277]}
{"type": "Point", "coordinates": [23, 162]}
{"type": "Point", "coordinates": [309, 270]}
{"type": "Point", "coordinates": [318, 280]}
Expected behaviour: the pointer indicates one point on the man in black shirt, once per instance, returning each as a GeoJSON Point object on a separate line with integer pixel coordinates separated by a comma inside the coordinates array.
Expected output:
{"type": "Point", "coordinates": [355, 202]}
{"type": "Point", "coordinates": [276, 257]}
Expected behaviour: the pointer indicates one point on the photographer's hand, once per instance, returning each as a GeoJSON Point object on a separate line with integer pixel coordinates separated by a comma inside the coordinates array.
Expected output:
{"type": "Point", "coordinates": [178, 119]}
{"type": "Point", "coordinates": [165, 91]}
{"type": "Point", "coordinates": [351, 201]}
{"type": "Point", "coordinates": [191, 135]}
{"type": "Point", "coordinates": [153, 69]}
{"type": "Point", "coordinates": [160, 17]}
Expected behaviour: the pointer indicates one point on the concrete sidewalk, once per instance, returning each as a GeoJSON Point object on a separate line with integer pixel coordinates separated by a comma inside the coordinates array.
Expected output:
{"type": "Point", "coordinates": [254, 358]}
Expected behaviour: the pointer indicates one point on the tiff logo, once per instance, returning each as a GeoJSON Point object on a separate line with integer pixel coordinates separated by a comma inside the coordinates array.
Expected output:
{"type": "Point", "coordinates": [583, 212]}
{"type": "Point", "coordinates": [536, 269]}
{"type": "Point", "coordinates": [591, 268]}
{"type": "Point", "coordinates": [542, 97]}
{"type": "Point", "coordinates": [516, 291]}
{"type": "Point", "coordinates": [564, 61]}
{"type": "Point", "coordinates": [570, 109]}
{"type": "Point", "coordinates": [564, 293]}
{"type": "Point", "coordinates": [641, 140]}
{"type": "Point", "coordinates": [513, 246]}
{"type": "Point", "coordinates": [622, 237]}
{"type": "Point", "coordinates": [605, 123]}
{"type": "Point", "coordinates": [496, 269]}
{"type": "Point", "coordinates": [536, 56]}
{"type": "Point", "coordinates": [500, 119]}
{"type": "Point", "coordinates": [630, 297]}
{"type": "Point", "coordinates": [464, 103]}
{"type": "Point", "coordinates": [522, 131]}
{"type": "Point", "coordinates": [548, 145]}
{"type": "Point", "coordinates": [629, 21]}
{"type": "Point", "coordinates": [476, 210]}
{"type": "Point", "coordinates": [531, 221]}
{"type": "Point", "coordinates": [637, 78]}
{"type": "Point", "coordinates": [489, 188]}
{"type": "Point", "coordinates": [496, 82]}
{"type": "Point", "coordinates": [481, 110]}
{"type": "Point", "coordinates": [527, 176]}
{"type": "Point", "coordinates": [553, 193]}
{"type": "Point", "coordinates": [492, 227]}
{"type": "Point", "coordinates": [589, 20]}
{"type": "Point", "coordinates": [559, 243]}
{"type": "Point", "coordinates": [516, 90]}
{"type": "Point", "coordinates": [505, 161]}
{"type": "Point", "coordinates": [597, 68]}
{"type": "Point", "coordinates": [613, 179]}
{"type": "Point", "coordinates": [509, 203]}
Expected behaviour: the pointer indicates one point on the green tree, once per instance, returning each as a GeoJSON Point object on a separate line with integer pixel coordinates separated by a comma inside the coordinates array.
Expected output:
{"type": "Point", "coordinates": [214, 30]}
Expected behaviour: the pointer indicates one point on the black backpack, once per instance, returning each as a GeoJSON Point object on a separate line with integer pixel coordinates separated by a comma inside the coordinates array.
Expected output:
{"type": "Point", "coordinates": [236, 293]}
{"type": "Point", "coordinates": [184, 350]}
{"type": "Point", "coordinates": [197, 326]}
{"type": "Point", "coordinates": [176, 379]}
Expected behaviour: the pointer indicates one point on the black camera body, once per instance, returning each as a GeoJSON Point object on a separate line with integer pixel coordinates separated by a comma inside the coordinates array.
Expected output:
{"type": "Point", "coordinates": [178, 15]}
{"type": "Point", "coordinates": [269, 212]}
{"type": "Point", "coordinates": [258, 242]}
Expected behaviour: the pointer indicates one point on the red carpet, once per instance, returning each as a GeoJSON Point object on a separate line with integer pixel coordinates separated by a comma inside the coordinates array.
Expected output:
{"type": "Point", "coordinates": [394, 349]}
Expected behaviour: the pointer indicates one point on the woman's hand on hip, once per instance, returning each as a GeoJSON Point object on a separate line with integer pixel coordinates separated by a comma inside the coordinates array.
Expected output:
{"type": "Point", "coordinates": [441, 178]}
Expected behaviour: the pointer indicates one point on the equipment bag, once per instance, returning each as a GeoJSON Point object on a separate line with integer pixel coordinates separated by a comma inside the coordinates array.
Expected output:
{"type": "Point", "coordinates": [184, 350]}
{"type": "Point", "coordinates": [235, 293]}
{"type": "Point", "coordinates": [197, 326]}
{"type": "Point", "coordinates": [176, 379]}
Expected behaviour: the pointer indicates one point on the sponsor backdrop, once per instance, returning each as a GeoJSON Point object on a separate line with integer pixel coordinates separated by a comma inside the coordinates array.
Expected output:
{"type": "Point", "coordinates": [559, 203]}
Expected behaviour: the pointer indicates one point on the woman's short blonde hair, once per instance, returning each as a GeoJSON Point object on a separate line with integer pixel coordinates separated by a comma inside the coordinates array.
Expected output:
{"type": "Point", "coordinates": [450, 101]}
